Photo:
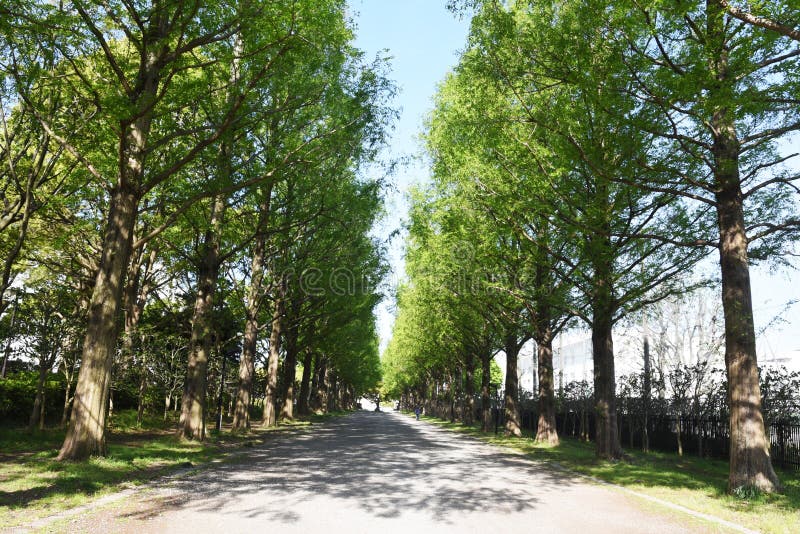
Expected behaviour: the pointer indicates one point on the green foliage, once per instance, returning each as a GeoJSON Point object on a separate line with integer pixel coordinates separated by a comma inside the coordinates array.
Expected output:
{"type": "Point", "coordinates": [780, 393]}
{"type": "Point", "coordinates": [18, 390]}
{"type": "Point", "coordinates": [256, 104]}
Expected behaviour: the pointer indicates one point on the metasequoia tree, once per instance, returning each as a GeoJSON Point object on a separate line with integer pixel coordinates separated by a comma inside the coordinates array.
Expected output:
{"type": "Point", "coordinates": [162, 56]}
{"type": "Point", "coordinates": [550, 137]}
{"type": "Point", "coordinates": [451, 319]}
{"type": "Point", "coordinates": [486, 163]}
{"type": "Point", "coordinates": [720, 95]}
{"type": "Point", "coordinates": [327, 119]}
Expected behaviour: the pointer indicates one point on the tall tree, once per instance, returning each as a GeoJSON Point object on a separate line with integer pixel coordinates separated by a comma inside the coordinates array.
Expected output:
{"type": "Point", "coordinates": [720, 95]}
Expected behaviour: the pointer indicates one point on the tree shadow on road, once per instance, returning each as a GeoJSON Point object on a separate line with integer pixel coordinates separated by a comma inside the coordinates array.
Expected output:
{"type": "Point", "coordinates": [379, 463]}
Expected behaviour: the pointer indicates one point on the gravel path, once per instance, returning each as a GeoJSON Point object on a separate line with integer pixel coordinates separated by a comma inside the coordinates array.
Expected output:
{"type": "Point", "coordinates": [381, 472]}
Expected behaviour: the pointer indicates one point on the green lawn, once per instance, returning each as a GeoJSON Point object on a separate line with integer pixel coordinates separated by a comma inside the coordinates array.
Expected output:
{"type": "Point", "coordinates": [33, 484]}
{"type": "Point", "coordinates": [698, 484]}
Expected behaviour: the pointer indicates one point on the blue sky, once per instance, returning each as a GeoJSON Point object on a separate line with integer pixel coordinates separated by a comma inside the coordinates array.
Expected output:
{"type": "Point", "coordinates": [423, 39]}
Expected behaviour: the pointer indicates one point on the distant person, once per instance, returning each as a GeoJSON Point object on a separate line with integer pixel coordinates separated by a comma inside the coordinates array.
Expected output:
{"type": "Point", "coordinates": [417, 411]}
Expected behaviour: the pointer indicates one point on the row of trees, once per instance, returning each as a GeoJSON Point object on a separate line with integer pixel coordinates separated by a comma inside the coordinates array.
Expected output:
{"type": "Point", "coordinates": [587, 155]}
{"type": "Point", "coordinates": [183, 181]}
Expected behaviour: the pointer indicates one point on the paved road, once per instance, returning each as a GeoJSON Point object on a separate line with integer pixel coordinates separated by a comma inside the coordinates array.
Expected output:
{"type": "Point", "coordinates": [382, 473]}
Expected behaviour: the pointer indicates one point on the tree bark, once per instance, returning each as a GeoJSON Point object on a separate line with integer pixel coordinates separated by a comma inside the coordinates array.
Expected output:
{"type": "Point", "coordinates": [512, 389]}
{"type": "Point", "coordinates": [606, 432]}
{"type": "Point", "coordinates": [750, 463]}
{"type": "Point", "coordinates": [546, 431]}
{"type": "Point", "coordinates": [241, 414]}
{"type": "Point", "coordinates": [37, 414]}
{"type": "Point", "coordinates": [452, 395]}
{"type": "Point", "coordinates": [469, 405]}
{"type": "Point", "coordinates": [646, 394]}
{"type": "Point", "coordinates": [305, 384]}
{"type": "Point", "coordinates": [67, 402]}
{"type": "Point", "coordinates": [486, 377]}
{"type": "Point", "coordinates": [138, 285]}
{"type": "Point", "coordinates": [289, 369]}
{"type": "Point", "coordinates": [317, 384]}
{"type": "Point", "coordinates": [7, 351]}
{"type": "Point", "coordinates": [330, 382]}
{"type": "Point", "coordinates": [137, 288]}
{"type": "Point", "coordinates": [192, 424]}
{"type": "Point", "coordinates": [142, 390]}
{"type": "Point", "coordinates": [271, 393]}
{"type": "Point", "coordinates": [762, 22]}
{"type": "Point", "coordinates": [86, 431]}
{"type": "Point", "coordinates": [603, 308]}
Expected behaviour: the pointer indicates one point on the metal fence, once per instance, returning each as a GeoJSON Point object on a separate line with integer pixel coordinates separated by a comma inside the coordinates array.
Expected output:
{"type": "Point", "coordinates": [708, 437]}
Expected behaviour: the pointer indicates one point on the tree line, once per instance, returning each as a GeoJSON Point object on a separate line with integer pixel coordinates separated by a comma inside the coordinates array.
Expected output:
{"type": "Point", "coordinates": [185, 184]}
{"type": "Point", "coordinates": [587, 155]}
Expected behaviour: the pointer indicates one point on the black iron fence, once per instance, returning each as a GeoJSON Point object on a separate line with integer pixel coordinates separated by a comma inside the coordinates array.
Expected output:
{"type": "Point", "coordinates": [706, 437]}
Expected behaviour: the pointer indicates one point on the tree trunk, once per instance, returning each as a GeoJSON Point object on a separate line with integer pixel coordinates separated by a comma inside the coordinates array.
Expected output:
{"type": "Point", "coordinates": [137, 289]}
{"type": "Point", "coordinates": [192, 424]}
{"type": "Point", "coordinates": [452, 396]}
{"type": "Point", "coordinates": [486, 377]}
{"type": "Point", "coordinates": [37, 414]}
{"type": "Point", "coordinates": [630, 429]}
{"type": "Point", "coordinates": [585, 424]}
{"type": "Point", "coordinates": [469, 407]}
{"type": "Point", "coordinates": [110, 405]}
{"type": "Point", "coordinates": [511, 392]}
{"type": "Point", "coordinates": [67, 402]}
{"type": "Point", "coordinates": [134, 297]}
{"type": "Point", "coordinates": [241, 414]}
{"type": "Point", "coordinates": [546, 431]}
{"type": "Point", "coordinates": [271, 393]}
{"type": "Point", "coordinates": [302, 402]}
{"type": "Point", "coordinates": [606, 433]}
{"type": "Point", "coordinates": [11, 330]}
{"type": "Point", "coordinates": [317, 385]}
{"type": "Point", "coordinates": [221, 395]}
{"type": "Point", "coordinates": [646, 394]}
{"type": "Point", "coordinates": [750, 463]}
{"type": "Point", "coordinates": [86, 431]}
{"type": "Point", "coordinates": [331, 382]}
{"type": "Point", "coordinates": [142, 389]}
{"type": "Point", "coordinates": [289, 369]}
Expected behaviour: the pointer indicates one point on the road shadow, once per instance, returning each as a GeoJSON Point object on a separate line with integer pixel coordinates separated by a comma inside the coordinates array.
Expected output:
{"type": "Point", "coordinates": [382, 463]}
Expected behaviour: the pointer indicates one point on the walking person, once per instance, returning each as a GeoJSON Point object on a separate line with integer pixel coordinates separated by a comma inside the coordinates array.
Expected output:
{"type": "Point", "coordinates": [417, 411]}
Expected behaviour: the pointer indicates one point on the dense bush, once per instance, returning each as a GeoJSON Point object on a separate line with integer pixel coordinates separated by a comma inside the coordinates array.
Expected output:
{"type": "Point", "coordinates": [18, 391]}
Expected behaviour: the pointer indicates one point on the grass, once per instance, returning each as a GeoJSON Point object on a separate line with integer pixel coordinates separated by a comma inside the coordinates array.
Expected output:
{"type": "Point", "coordinates": [695, 483]}
{"type": "Point", "coordinates": [33, 484]}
